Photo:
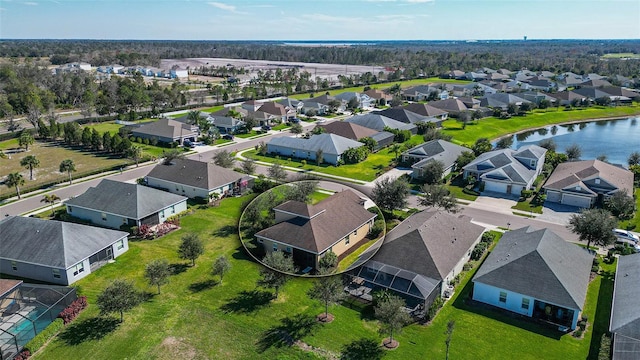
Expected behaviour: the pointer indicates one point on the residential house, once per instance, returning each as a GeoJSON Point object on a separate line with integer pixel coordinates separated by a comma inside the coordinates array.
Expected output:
{"type": "Point", "coordinates": [114, 204]}
{"type": "Point", "coordinates": [357, 132]}
{"type": "Point", "coordinates": [379, 95]}
{"type": "Point", "coordinates": [502, 100]}
{"type": "Point", "coordinates": [568, 97]}
{"type": "Point", "coordinates": [328, 100]}
{"type": "Point", "coordinates": [338, 224]}
{"type": "Point", "coordinates": [318, 108]}
{"type": "Point", "coordinates": [618, 93]}
{"type": "Point", "coordinates": [424, 93]}
{"type": "Point", "coordinates": [380, 122]}
{"type": "Point", "coordinates": [403, 115]}
{"type": "Point", "coordinates": [227, 125]}
{"type": "Point", "coordinates": [435, 150]}
{"type": "Point", "coordinates": [592, 93]}
{"type": "Point", "coordinates": [541, 84]}
{"type": "Point", "coordinates": [625, 314]}
{"type": "Point", "coordinates": [475, 76]}
{"type": "Point", "coordinates": [56, 252]}
{"type": "Point", "coordinates": [535, 273]}
{"type": "Point", "coordinates": [537, 97]}
{"type": "Point", "coordinates": [240, 111]}
{"type": "Point", "coordinates": [364, 101]}
{"type": "Point", "coordinates": [452, 106]}
{"type": "Point", "coordinates": [332, 147]}
{"type": "Point", "coordinates": [291, 104]}
{"type": "Point", "coordinates": [454, 74]}
{"type": "Point", "coordinates": [427, 110]}
{"type": "Point", "coordinates": [251, 105]}
{"type": "Point", "coordinates": [167, 131]}
{"type": "Point", "coordinates": [420, 257]}
{"type": "Point", "coordinates": [595, 83]}
{"type": "Point", "coordinates": [196, 179]}
{"type": "Point", "coordinates": [470, 102]}
{"type": "Point", "coordinates": [585, 183]}
{"type": "Point", "coordinates": [179, 73]}
{"type": "Point", "coordinates": [279, 111]}
{"type": "Point", "coordinates": [507, 171]}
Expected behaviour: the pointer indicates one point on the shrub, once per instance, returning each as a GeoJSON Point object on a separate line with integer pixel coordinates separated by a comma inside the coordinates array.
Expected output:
{"type": "Point", "coordinates": [70, 312]}
{"type": "Point", "coordinates": [435, 306]}
{"type": "Point", "coordinates": [39, 340]}
{"type": "Point", "coordinates": [24, 354]}
{"type": "Point", "coordinates": [173, 220]}
{"type": "Point", "coordinates": [525, 194]}
{"type": "Point", "coordinates": [487, 238]}
{"type": "Point", "coordinates": [467, 266]}
{"type": "Point", "coordinates": [478, 251]}
{"type": "Point", "coordinates": [605, 348]}
{"type": "Point", "coordinates": [577, 333]}
{"type": "Point", "coordinates": [376, 229]}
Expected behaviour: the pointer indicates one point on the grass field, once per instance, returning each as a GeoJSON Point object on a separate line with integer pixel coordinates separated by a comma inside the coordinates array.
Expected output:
{"type": "Point", "coordinates": [113, 128]}
{"type": "Point", "coordinates": [621, 56]}
{"type": "Point", "coordinates": [633, 224]}
{"type": "Point", "coordinates": [195, 317]}
{"type": "Point", "coordinates": [492, 127]}
{"type": "Point", "coordinates": [50, 156]}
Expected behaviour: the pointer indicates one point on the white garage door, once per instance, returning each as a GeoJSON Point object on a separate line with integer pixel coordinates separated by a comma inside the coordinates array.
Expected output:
{"type": "Point", "coordinates": [495, 187]}
{"type": "Point", "coordinates": [553, 196]}
{"type": "Point", "coordinates": [578, 201]}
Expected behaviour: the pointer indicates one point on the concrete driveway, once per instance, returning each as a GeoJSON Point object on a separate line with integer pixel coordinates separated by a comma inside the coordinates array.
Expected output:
{"type": "Point", "coordinates": [557, 213]}
{"type": "Point", "coordinates": [498, 203]}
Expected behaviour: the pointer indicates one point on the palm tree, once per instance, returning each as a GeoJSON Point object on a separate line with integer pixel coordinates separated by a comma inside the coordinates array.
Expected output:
{"type": "Point", "coordinates": [193, 116]}
{"type": "Point", "coordinates": [30, 162]}
{"type": "Point", "coordinates": [67, 166]}
{"type": "Point", "coordinates": [15, 180]}
{"type": "Point", "coordinates": [395, 148]}
{"type": "Point", "coordinates": [50, 199]}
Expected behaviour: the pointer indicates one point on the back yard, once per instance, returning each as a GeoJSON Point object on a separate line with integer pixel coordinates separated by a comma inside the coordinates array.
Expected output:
{"type": "Point", "coordinates": [197, 318]}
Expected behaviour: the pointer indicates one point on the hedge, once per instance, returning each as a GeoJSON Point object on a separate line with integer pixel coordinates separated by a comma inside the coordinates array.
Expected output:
{"type": "Point", "coordinates": [50, 331]}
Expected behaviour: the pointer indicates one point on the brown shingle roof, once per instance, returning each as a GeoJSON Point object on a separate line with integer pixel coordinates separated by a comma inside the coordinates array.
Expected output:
{"type": "Point", "coordinates": [570, 173]}
{"type": "Point", "coordinates": [349, 130]}
{"type": "Point", "coordinates": [195, 173]}
{"type": "Point", "coordinates": [343, 214]}
{"type": "Point", "coordinates": [8, 285]}
{"type": "Point", "coordinates": [273, 108]}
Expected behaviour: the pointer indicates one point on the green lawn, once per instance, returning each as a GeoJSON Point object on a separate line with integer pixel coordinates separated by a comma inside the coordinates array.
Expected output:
{"type": "Point", "coordinates": [527, 206]}
{"type": "Point", "coordinates": [113, 128]}
{"type": "Point", "coordinates": [282, 126]}
{"type": "Point", "coordinates": [633, 224]}
{"type": "Point", "coordinates": [195, 317]}
{"type": "Point", "coordinates": [492, 127]}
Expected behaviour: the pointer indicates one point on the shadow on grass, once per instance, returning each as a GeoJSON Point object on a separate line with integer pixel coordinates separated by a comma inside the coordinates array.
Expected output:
{"type": "Point", "coordinates": [290, 330]}
{"type": "Point", "coordinates": [363, 349]}
{"type": "Point", "coordinates": [465, 302]}
{"type": "Point", "coordinates": [91, 329]}
{"type": "Point", "coordinates": [603, 313]}
{"type": "Point", "coordinates": [202, 285]}
{"type": "Point", "coordinates": [248, 301]}
{"type": "Point", "coordinates": [225, 231]}
{"type": "Point", "coordinates": [178, 268]}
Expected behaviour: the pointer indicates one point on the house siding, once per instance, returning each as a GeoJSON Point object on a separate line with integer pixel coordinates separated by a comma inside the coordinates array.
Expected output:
{"type": "Point", "coordinates": [460, 265]}
{"type": "Point", "coordinates": [95, 217]}
{"type": "Point", "coordinates": [301, 154]}
{"type": "Point", "coordinates": [179, 189]}
{"type": "Point", "coordinates": [36, 272]}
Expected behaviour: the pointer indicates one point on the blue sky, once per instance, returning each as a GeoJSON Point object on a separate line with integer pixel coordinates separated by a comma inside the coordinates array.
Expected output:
{"type": "Point", "coordinates": [320, 19]}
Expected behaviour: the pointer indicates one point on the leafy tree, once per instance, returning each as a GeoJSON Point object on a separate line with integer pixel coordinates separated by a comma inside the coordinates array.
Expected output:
{"type": "Point", "coordinates": [464, 117]}
{"type": "Point", "coordinates": [30, 162]}
{"type": "Point", "coordinates": [276, 271]}
{"type": "Point", "coordinates": [172, 154]}
{"type": "Point", "coordinates": [391, 314]}
{"type": "Point", "coordinates": [135, 153]}
{"type": "Point", "coordinates": [573, 152]}
{"type": "Point", "coordinates": [43, 130]}
{"type": "Point", "coordinates": [621, 205]}
{"type": "Point", "coordinates": [319, 156]}
{"type": "Point", "coordinates": [296, 129]}
{"type": "Point", "coordinates": [390, 194]}
{"type": "Point", "coordinates": [438, 196]}
{"type": "Point", "coordinates": [634, 158]}
{"type": "Point", "coordinates": [277, 172]}
{"type": "Point", "coordinates": [481, 146]}
{"type": "Point", "coordinates": [318, 130]}
{"type": "Point", "coordinates": [224, 158]}
{"type": "Point", "coordinates": [355, 155]}
{"type": "Point", "coordinates": [432, 171]}
{"type": "Point", "coordinates": [362, 349]}
{"type": "Point", "coordinates": [157, 272]}
{"type": "Point", "coordinates": [67, 166]}
{"type": "Point", "coordinates": [593, 226]}
{"type": "Point", "coordinates": [25, 139]}
{"type": "Point", "coordinates": [512, 109]}
{"type": "Point", "coordinates": [504, 142]}
{"type": "Point", "coordinates": [464, 159]}
{"type": "Point", "coordinates": [248, 166]}
{"type": "Point", "coordinates": [118, 297]}
{"type": "Point", "coordinates": [50, 199]}
{"type": "Point", "coordinates": [221, 266]}
{"type": "Point", "coordinates": [250, 123]}
{"type": "Point", "coordinates": [369, 143]}
{"type": "Point", "coordinates": [16, 180]}
{"type": "Point", "coordinates": [328, 262]}
{"type": "Point", "coordinates": [191, 248]}
{"type": "Point", "coordinates": [301, 190]}
{"type": "Point", "coordinates": [327, 289]}
{"type": "Point", "coordinates": [96, 140]}
{"type": "Point", "coordinates": [395, 149]}
{"type": "Point", "coordinates": [548, 144]}
{"type": "Point", "coordinates": [353, 103]}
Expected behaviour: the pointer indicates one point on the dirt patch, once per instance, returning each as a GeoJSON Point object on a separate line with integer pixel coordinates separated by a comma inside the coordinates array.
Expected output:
{"type": "Point", "coordinates": [325, 318]}
{"type": "Point", "coordinates": [390, 344]}
{"type": "Point", "coordinates": [174, 348]}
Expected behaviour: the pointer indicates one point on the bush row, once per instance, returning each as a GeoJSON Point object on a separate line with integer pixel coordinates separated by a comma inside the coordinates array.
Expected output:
{"type": "Point", "coordinates": [39, 340]}
{"type": "Point", "coordinates": [71, 312]}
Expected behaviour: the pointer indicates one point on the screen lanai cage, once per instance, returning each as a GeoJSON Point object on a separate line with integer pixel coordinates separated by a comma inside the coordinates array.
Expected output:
{"type": "Point", "coordinates": [417, 290]}
{"type": "Point", "coordinates": [26, 310]}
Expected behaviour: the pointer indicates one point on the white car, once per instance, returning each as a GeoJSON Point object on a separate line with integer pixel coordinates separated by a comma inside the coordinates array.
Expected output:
{"type": "Point", "coordinates": [626, 235]}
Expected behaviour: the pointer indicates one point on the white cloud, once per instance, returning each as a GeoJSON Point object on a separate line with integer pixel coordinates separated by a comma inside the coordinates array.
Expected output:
{"type": "Point", "coordinates": [30, 3]}
{"type": "Point", "coordinates": [223, 6]}
{"type": "Point", "coordinates": [330, 18]}
{"type": "Point", "coordinates": [419, 1]}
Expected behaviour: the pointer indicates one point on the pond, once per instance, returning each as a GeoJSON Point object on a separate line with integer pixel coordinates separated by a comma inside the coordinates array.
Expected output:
{"type": "Point", "coordinates": [615, 139]}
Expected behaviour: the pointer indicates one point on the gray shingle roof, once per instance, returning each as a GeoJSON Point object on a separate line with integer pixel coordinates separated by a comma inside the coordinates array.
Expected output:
{"type": "Point", "coordinates": [502, 164]}
{"type": "Point", "coordinates": [425, 109]}
{"type": "Point", "coordinates": [449, 105]}
{"type": "Point", "coordinates": [426, 244]}
{"type": "Point", "coordinates": [132, 201]}
{"type": "Point", "coordinates": [329, 143]}
{"type": "Point", "coordinates": [52, 243]}
{"type": "Point", "coordinates": [625, 313]}
{"type": "Point", "coordinates": [348, 130]}
{"type": "Point", "coordinates": [574, 172]}
{"type": "Point", "coordinates": [195, 173]}
{"type": "Point", "coordinates": [343, 213]}
{"type": "Point", "coordinates": [540, 264]}
{"type": "Point", "coordinates": [403, 115]}
{"type": "Point", "coordinates": [379, 122]}
{"type": "Point", "coordinates": [167, 128]}
{"type": "Point", "coordinates": [440, 150]}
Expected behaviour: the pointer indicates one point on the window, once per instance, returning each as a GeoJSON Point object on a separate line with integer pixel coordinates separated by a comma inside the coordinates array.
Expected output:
{"type": "Point", "coordinates": [69, 208]}
{"type": "Point", "coordinates": [260, 241]}
{"type": "Point", "coordinates": [161, 213]}
{"type": "Point", "coordinates": [56, 273]}
{"type": "Point", "coordinates": [288, 249]}
{"type": "Point", "coordinates": [503, 297]}
{"type": "Point", "coordinates": [124, 221]}
{"type": "Point", "coordinates": [597, 181]}
{"type": "Point", "coordinates": [120, 245]}
{"type": "Point", "coordinates": [173, 209]}
{"type": "Point", "coordinates": [14, 265]}
{"type": "Point", "coordinates": [578, 188]}
{"type": "Point", "coordinates": [78, 268]}
{"type": "Point", "coordinates": [104, 216]}
{"type": "Point", "coordinates": [525, 303]}
{"type": "Point", "coordinates": [532, 163]}
{"type": "Point", "coordinates": [275, 247]}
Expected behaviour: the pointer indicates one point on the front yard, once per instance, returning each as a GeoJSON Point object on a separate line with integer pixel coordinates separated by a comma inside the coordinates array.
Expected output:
{"type": "Point", "coordinates": [197, 318]}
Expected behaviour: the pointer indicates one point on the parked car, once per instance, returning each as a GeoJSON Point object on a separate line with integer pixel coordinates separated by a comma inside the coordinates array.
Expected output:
{"type": "Point", "coordinates": [227, 137]}
{"type": "Point", "coordinates": [188, 144]}
{"type": "Point", "coordinates": [294, 120]}
{"type": "Point", "coordinates": [266, 127]}
{"type": "Point", "coordinates": [626, 235]}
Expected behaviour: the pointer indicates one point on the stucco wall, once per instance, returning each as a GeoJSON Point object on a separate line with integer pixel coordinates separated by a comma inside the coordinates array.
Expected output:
{"type": "Point", "coordinates": [341, 246]}
{"type": "Point", "coordinates": [301, 154]}
{"type": "Point", "coordinates": [188, 191]}
{"type": "Point", "coordinates": [95, 217]}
